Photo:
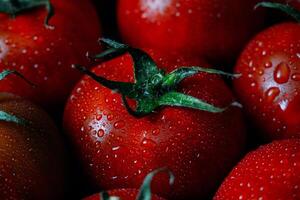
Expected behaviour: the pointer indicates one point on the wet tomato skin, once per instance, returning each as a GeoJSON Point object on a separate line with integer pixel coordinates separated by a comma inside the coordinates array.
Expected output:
{"type": "Point", "coordinates": [123, 194]}
{"type": "Point", "coordinates": [31, 159]}
{"type": "Point", "coordinates": [119, 150]}
{"type": "Point", "coordinates": [270, 81]}
{"type": "Point", "coordinates": [270, 172]}
{"type": "Point", "coordinates": [44, 55]}
{"type": "Point", "coordinates": [198, 27]}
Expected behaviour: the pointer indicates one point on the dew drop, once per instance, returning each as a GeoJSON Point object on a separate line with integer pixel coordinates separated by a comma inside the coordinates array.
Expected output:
{"type": "Point", "coordinates": [148, 143]}
{"type": "Point", "coordinates": [156, 132]}
{"type": "Point", "coordinates": [272, 93]}
{"type": "Point", "coordinates": [100, 133]}
{"type": "Point", "coordinates": [268, 64]}
{"type": "Point", "coordinates": [119, 124]}
{"type": "Point", "coordinates": [110, 117]}
{"type": "Point", "coordinates": [282, 73]}
{"type": "Point", "coordinates": [296, 77]}
{"type": "Point", "coordinates": [99, 117]}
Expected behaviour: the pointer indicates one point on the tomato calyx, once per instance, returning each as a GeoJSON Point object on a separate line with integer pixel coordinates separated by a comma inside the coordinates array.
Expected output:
{"type": "Point", "coordinates": [153, 88]}
{"type": "Point", "coordinates": [145, 189]}
{"type": "Point", "coordinates": [14, 7]}
{"type": "Point", "coordinates": [4, 116]}
{"type": "Point", "coordinates": [282, 7]}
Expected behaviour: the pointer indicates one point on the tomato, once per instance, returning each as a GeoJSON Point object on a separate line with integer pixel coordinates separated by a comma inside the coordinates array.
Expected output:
{"type": "Point", "coordinates": [270, 80]}
{"type": "Point", "coordinates": [270, 172]}
{"type": "Point", "coordinates": [31, 159]}
{"type": "Point", "coordinates": [45, 55]}
{"type": "Point", "coordinates": [123, 194]}
{"type": "Point", "coordinates": [217, 30]}
{"type": "Point", "coordinates": [118, 149]}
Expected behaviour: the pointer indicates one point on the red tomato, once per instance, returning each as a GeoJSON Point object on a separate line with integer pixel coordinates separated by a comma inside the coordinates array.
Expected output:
{"type": "Point", "coordinates": [123, 194]}
{"type": "Point", "coordinates": [270, 81]}
{"type": "Point", "coordinates": [270, 172]}
{"type": "Point", "coordinates": [31, 159]}
{"type": "Point", "coordinates": [118, 150]}
{"type": "Point", "coordinates": [43, 55]}
{"type": "Point", "coordinates": [216, 29]}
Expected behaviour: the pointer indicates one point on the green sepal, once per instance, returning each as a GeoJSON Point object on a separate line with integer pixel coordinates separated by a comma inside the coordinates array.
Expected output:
{"type": "Point", "coordinates": [144, 65]}
{"type": "Point", "coordinates": [7, 72]}
{"type": "Point", "coordinates": [282, 7]}
{"type": "Point", "coordinates": [152, 88]}
{"type": "Point", "coordinates": [14, 7]}
{"type": "Point", "coordinates": [104, 195]}
{"type": "Point", "coordinates": [4, 116]}
{"type": "Point", "coordinates": [171, 80]}
{"type": "Point", "coordinates": [145, 189]}
{"type": "Point", "coordinates": [183, 100]}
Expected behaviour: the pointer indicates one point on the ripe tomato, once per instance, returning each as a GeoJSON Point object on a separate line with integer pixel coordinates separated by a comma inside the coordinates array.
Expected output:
{"type": "Point", "coordinates": [44, 55]}
{"type": "Point", "coordinates": [123, 194]}
{"type": "Point", "coordinates": [118, 150]}
{"type": "Point", "coordinates": [31, 163]}
{"type": "Point", "coordinates": [216, 29]}
{"type": "Point", "coordinates": [270, 172]}
{"type": "Point", "coordinates": [270, 81]}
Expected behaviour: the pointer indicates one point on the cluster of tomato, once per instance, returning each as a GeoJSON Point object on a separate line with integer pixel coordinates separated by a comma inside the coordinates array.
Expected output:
{"type": "Point", "coordinates": [158, 102]}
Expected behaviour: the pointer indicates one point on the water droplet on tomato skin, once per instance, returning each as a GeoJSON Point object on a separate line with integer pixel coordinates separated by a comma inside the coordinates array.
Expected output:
{"type": "Point", "coordinates": [296, 77]}
{"type": "Point", "coordinates": [272, 93]}
{"type": "Point", "coordinates": [99, 117]}
{"type": "Point", "coordinates": [148, 143]}
{"type": "Point", "coordinates": [155, 132]}
{"type": "Point", "coordinates": [100, 133]}
{"type": "Point", "coordinates": [268, 64]}
{"type": "Point", "coordinates": [282, 73]}
{"type": "Point", "coordinates": [110, 117]}
{"type": "Point", "coordinates": [119, 124]}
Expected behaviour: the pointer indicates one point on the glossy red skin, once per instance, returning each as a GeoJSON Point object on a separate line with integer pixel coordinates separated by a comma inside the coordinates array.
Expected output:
{"type": "Point", "coordinates": [45, 56]}
{"type": "Point", "coordinates": [198, 147]}
{"type": "Point", "coordinates": [123, 194]}
{"type": "Point", "coordinates": [31, 159]}
{"type": "Point", "coordinates": [217, 29]}
{"type": "Point", "coordinates": [277, 114]}
{"type": "Point", "coordinates": [270, 172]}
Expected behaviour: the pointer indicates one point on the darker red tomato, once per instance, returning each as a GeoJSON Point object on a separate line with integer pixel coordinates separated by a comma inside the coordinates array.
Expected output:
{"type": "Point", "coordinates": [45, 56]}
{"type": "Point", "coordinates": [217, 30]}
{"type": "Point", "coordinates": [270, 81]}
{"type": "Point", "coordinates": [270, 172]}
{"type": "Point", "coordinates": [31, 158]}
{"type": "Point", "coordinates": [119, 150]}
{"type": "Point", "coordinates": [123, 194]}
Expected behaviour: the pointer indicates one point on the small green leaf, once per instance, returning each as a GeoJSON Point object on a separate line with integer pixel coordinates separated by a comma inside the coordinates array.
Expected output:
{"type": "Point", "coordinates": [6, 73]}
{"type": "Point", "coordinates": [172, 79]}
{"type": "Point", "coordinates": [144, 66]}
{"type": "Point", "coordinates": [282, 7]}
{"type": "Point", "coordinates": [183, 100]}
{"type": "Point", "coordinates": [120, 87]}
{"type": "Point", "coordinates": [14, 7]}
{"type": "Point", "coordinates": [4, 116]}
{"type": "Point", "coordinates": [145, 189]}
{"type": "Point", "coordinates": [109, 54]}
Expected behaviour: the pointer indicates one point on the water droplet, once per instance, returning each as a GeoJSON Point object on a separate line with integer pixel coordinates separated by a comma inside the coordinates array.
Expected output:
{"type": "Point", "coordinates": [156, 132]}
{"type": "Point", "coordinates": [119, 124]}
{"type": "Point", "coordinates": [148, 143]}
{"type": "Point", "coordinates": [260, 72]}
{"type": "Point", "coordinates": [99, 117]}
{"type": "Point", "coordinates": [296, 77]}
{"type": "Point", "coordinates": [272, 93]}
{"type": "Point", "coordinates": [282, 73]}
{"type": "Point", "coordinates": [268, 64]}
{"type": "Point", "coordinates": [100, 133]}
{"type": "Point", "coordinates": [110, 117]}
